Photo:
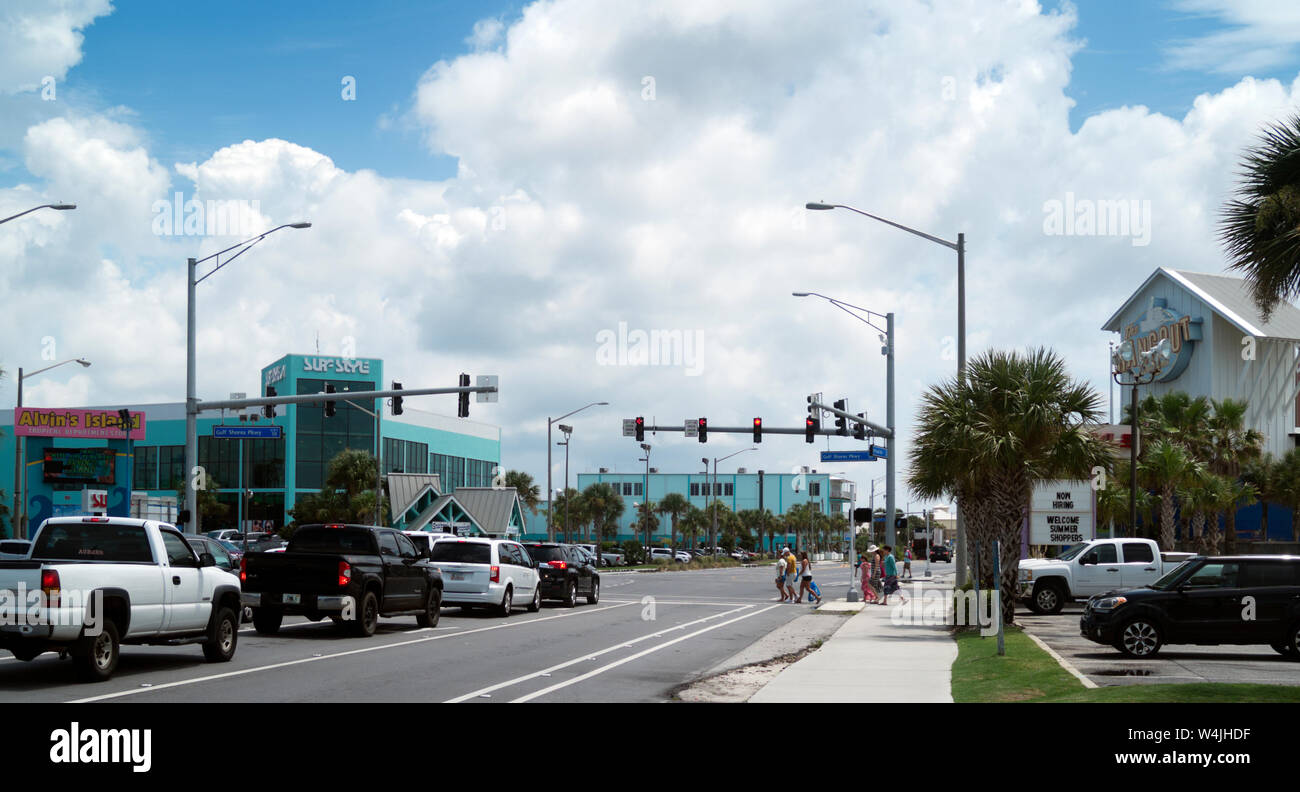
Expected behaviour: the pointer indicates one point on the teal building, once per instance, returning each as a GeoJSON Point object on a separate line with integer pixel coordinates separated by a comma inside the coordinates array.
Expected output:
{"type": "Point", "coordinates": [461, 452]}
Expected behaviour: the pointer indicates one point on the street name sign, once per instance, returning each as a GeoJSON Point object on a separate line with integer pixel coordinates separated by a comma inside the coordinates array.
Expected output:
{"type": "Point", "coordinates": [847, 456]}
{"type": "Point", "coordinates": [247, 432]}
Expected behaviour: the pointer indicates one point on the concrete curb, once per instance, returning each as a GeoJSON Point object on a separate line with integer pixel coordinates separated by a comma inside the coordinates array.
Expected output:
{"type": "Point", "coordinates": [1088, 683]}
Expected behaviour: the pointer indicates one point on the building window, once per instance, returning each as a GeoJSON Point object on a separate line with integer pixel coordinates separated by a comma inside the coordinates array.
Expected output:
{"type": "Point", "coordinates": [717, 489]}
{"type": "Point", "coordinates": [695, 490]}
{"type": "Point", "coordinates": [726, 490]}
{"type": "Point", "coordinates": [171, 467]}
{"type": "Point", "coordinates": [320, 439]}
{"type": "Point", "coordinates": [636, 489]}
{"type": "Point", "coordinates": [144, 470]}
{"type": "Point", "coordinates": [627, 488]}
{"type": "Point", "coordinates": [814, 488]}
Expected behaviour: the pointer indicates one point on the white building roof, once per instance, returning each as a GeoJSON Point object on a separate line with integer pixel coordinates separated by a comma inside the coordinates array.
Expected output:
{"type": "Point", "coordinates": [1230, 297]}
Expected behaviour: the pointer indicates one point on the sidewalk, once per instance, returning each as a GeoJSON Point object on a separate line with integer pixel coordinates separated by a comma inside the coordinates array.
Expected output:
{"type": "Point", "coordinates": [869, 659]}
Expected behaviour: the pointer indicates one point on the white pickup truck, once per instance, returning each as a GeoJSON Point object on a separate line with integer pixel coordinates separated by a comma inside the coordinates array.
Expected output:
{"type": "Point", "coordinates": [90, 584]}
{"type": "Point", "coordinates": [1095, 567]}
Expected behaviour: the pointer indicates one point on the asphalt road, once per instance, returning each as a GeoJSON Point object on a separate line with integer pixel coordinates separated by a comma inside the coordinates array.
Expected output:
{"type": "Point", "coordinates": [1107, 666]}
{"type": "Point", "coordinates": [649, 633]}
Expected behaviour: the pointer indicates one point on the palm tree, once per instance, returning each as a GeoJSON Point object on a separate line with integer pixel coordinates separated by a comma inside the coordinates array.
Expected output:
{"type": "Point", "coordinates": [1289, 488]}
{"type": "Point", "coordinates": [674, 504]}
{"type": "Point", "coordinates": [692, 524]}
{"type": "Point", "coordinates": [567, 508]}
{"type": "Point", "coordinates": [1168, 467]}
{"type": "Point", "coordinates": [647, 519]}
{"type": "Point", "coordinates": [529, 493]}
{"type": "Point", "coordinates": [1017, 418]}
{"type": "Point", "coordinates": [1265, 476]}
{"type": "Point", "coordinates": [603, 507]}
{"type": "Point", "coordinates": [1259, 227]}
{"type": "Point", "coordinates": [1232, 446]}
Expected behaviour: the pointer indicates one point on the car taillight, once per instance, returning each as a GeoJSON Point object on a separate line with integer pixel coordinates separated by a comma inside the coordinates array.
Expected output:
{"type": "Point", "coordinates": [345, 574]}
{"type": "Point", "coordinates": [558, 564]}
{"type": "Point", "coordinates": [496, 574]}
{"type": "Point", "coordinates": [243, 569]}
{"type": "Point", "coordinates": [50, 587]}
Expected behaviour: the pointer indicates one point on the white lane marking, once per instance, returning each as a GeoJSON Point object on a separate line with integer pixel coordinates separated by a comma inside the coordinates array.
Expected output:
{"type": "Point", "coordinates": [585, 657]}
{"type": "Point", "coordinates": [636, 656]}
{"type": "Point", "coordinates": [285, 664]}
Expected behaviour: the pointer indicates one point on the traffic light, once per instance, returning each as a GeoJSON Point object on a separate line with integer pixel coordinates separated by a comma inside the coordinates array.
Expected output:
{"type": "Point", "coordinates": [269, 409]}
{"type": "Point", "coordinates": [758, 430]}
{"type": "Point", "coordinates": [860, 430]}
{"type": "Point", "coordinates": [811, 425]}
{"type": "Point", "coordinates": [640, 429]}
{"type": "Point", "coordinates": [841, 425]}
{"type": "Point", "coordinates": [704, 430]}
{"type": "Point", "coordinates": [329, 404]}
{"type": "Point", "coordinates": [462, 405]}
{"type": "Point", "coordinates": [810, 407]}
{"type": "Point", "coordinates": [397, 400]}
{"type": "Point", "coordinates": [900, 523]}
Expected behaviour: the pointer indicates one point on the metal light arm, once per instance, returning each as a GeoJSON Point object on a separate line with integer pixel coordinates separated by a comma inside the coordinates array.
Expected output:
{"type": "Point", "coordinates": [30, 374]}
{"type": "Point", "coordinates": [245, 245]}
{"type": "Point", "coordinates": [900, 226]}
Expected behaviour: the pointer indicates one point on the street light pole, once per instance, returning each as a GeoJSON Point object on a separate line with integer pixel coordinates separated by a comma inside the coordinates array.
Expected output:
{"type": "Point", "coordinates": [550, 491]}
{"type": "Point", "coordinates": [191, 392]}
{"type": "Point", "coordinates": [19, 512]}
{"type": "Point", "coordinates": [567, 431]}
{"type": "Point", "coordinates": [713, 530]}
{"type": "Point", "coordinates": [960, 247]}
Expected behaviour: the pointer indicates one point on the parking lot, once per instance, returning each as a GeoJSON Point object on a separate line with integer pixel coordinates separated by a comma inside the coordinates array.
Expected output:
{"type": "Point", "coordinates": [1173, 664]}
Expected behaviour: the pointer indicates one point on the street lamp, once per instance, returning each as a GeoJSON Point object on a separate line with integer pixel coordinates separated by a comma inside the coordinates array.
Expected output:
{"type": "Point", "coordinates": [191, 396]}
{"type": "Point", "coordinates": [1142, 368]}
{"type": "Point", "coordinates": [20, 507]}
{"type": "Point", "coordinates": [713, 529]}
{"type": "Point", "coordinates": [960, 247]}
{"type": "Point", "coordinates": [60, 206]}
{"type": "Point", "coordinates": [888, 351]}
{"type": "Point", "coordinates": [567, 431]}
{"type": "Point", "coordinates": [550, 493]}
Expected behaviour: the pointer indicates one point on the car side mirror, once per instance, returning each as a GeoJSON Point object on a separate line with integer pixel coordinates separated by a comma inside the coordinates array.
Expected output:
{"type": "Point", "coordinates": [1088, 560]}
{"type": "Point", "coordinates": [207, 560]}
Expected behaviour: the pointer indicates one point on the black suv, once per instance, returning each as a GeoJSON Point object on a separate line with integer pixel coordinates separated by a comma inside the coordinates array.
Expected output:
{"type": "Point", "coordinates": [939, 553]}
{"type": "Point", "coordinates": [565, 571]}
{"type": "Point", "coordinates": [1206, 600]}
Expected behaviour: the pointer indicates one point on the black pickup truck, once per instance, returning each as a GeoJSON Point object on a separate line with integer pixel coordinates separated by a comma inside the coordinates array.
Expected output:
{"type": "Point", "coordinates": [352, 573]}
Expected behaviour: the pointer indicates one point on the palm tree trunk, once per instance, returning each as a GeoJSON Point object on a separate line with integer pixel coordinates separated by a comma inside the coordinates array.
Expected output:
{"type": "Point", "coordinates": [1230, 530]}
{"type": "Point", "coordinates": [1167, 518]}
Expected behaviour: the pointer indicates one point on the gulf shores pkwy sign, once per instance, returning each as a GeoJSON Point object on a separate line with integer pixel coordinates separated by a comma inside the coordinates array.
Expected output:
{"type": "Point", "coordinates": [50, 422]}
{"type": "Point", "coordinates": [1157, 324]}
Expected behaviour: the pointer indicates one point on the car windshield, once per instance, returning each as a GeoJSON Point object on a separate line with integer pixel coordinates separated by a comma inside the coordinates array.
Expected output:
{"type": "Point", "coordinates": [1172, 577]}
{"type": "Point", "coordinates": [462, 552]}
{"type": "Point", "coordinates": [1069, 555]}
{"type": "Point", "coordinates": [324, 539]}
{"type": "Point", "coordinates": [543, 553]}
{"type": "Point", "coordinates": [92, 542]}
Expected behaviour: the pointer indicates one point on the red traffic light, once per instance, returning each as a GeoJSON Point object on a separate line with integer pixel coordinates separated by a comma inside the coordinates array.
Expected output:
{"type": "Point", "coordinates": [758, 430]}
{"type": "Point", "coordinates": [640, 428]}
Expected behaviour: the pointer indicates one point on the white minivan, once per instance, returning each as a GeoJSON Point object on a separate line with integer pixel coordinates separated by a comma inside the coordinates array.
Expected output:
{"type": "Point", "coordinates": [495, 573]}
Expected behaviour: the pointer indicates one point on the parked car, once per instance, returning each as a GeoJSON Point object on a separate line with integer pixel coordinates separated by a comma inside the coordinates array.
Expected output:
{"type": "Point", "coordinates": [588, 555]}
{"type": "Point", "coordinates": [222, 556]}
{"type": "Point", "coordinates": [14, 549]}
{"type": "Point", "coordinates": [352, 573]}
{"type": "Point", "coordinates": [153, 588]}
{"type": "Point", "coordinates": [613, 558]}
{"type": "Point", "coordinates": [1046, 584]}
{"type": "Point", "coordinates": [424, 540]}
{"type": "Point", "coordinates": [661, 554]}
{"type": "Point", "coordinates": [564, 572]}
{"type": "Point", "coordinates": [224, 534]}
{"type": "Point", "coordinates": [487, 572]}
{"type": "Point", "coordinates": [683, 556]}
{"type": "Point", "coordinates": [940, 554]}
{"type": "Point", "coordinates": [1241, 600]}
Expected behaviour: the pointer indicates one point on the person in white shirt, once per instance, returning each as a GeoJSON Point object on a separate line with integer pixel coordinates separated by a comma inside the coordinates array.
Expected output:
{"type": "Point", "coordinates": [780, 577]}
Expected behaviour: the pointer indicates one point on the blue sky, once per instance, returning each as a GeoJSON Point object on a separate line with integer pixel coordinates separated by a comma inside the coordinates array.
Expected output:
{"type": "Point", "coordinates": [200, 76]}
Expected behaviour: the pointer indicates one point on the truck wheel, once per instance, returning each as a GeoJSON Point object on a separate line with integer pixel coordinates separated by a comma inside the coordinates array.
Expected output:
{"type": "Point", "coordinates": [1139, 637]}
{"type": "Point", "coordinates": [571, 595]}
{"type": "Point", "coordinates": [267, 621]}
{"type": "Point", "coordinates": [594, 596]}
{"type": "Point", "coordinates": [432, 610]}
{"type": "Point", "coordinates": [507, 601]}
{"type": "Point", "coordinates": [536, 604]}
{"type": "Point", "coordinates": [96, 656]}
{"type": "Point", "coordinates": [220, 646]}
{"type": "Point", "coordinates": [1046, 599]}
{"type": "Point", "coordinates": [1291, 648]}
{"type": "Point", "coordinates": [368, 617]}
